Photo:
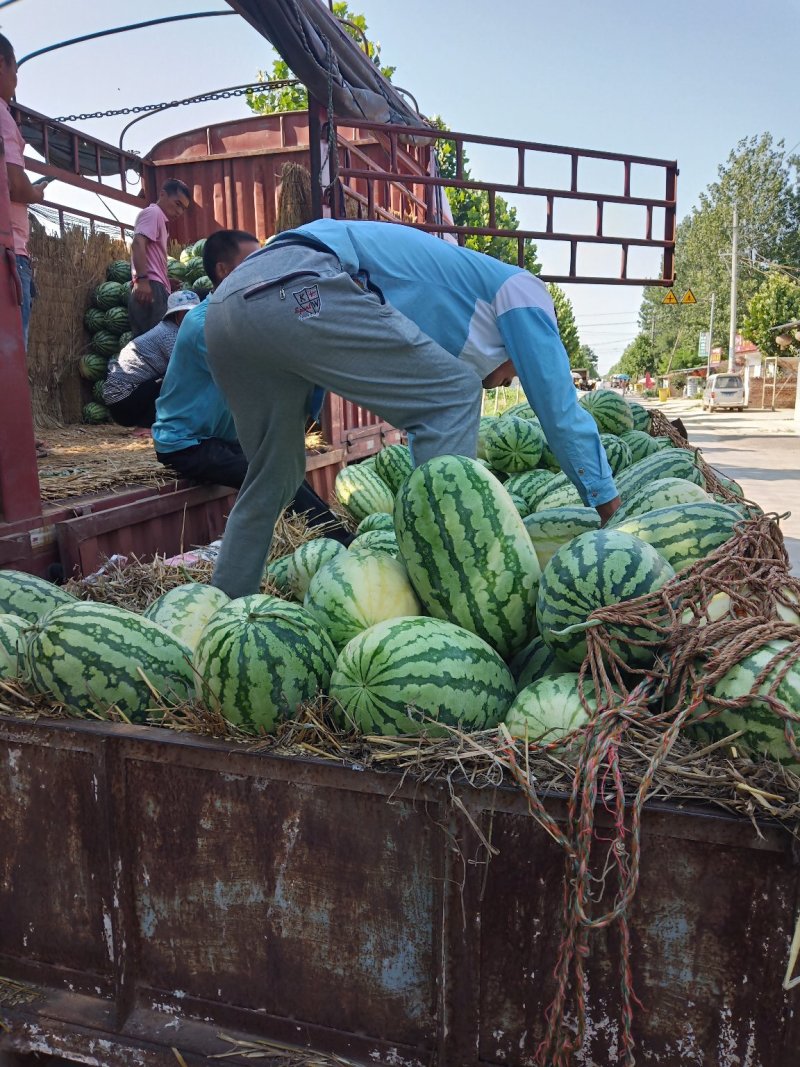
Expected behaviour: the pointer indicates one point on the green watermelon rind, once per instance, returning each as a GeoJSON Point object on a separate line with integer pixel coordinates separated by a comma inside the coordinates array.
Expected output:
{"type": "Point", "coordinates": [30, 596]}
{"type": "Point", "coordinates": [658, 494]}
{"type": "Point", "coordinates": [684, 533]}
{"type": "Point", "coordinates": [361, 490]}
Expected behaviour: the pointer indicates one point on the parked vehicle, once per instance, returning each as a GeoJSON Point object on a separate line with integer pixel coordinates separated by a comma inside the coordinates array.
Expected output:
{"type": "Point", "coordinates": [724, 391]}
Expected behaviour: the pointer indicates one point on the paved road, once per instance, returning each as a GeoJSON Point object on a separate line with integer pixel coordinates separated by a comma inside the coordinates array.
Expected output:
{"type": "Point", "coordinates": [760, 449]}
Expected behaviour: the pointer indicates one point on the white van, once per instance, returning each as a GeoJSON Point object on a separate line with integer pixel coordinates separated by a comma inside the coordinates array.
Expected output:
{"type": "Point", "coordinates": [724, 391]}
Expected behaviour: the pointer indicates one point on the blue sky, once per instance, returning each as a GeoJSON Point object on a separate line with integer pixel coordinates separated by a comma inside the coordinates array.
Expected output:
{"type": "Point", "coordinates": [681, 81]}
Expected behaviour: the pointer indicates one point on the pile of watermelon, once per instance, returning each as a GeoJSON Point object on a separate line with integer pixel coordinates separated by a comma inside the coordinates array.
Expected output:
{"type": "Point", "coordinates": [106, 319]}
{"type": "Point", "coordinates": [462, 601]}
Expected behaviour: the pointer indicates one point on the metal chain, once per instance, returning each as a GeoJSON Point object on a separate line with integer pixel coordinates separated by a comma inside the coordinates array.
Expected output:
{"type": "Point", "coordinates": [221, 94]}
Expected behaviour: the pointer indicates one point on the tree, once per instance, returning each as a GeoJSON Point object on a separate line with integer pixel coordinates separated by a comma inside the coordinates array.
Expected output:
{"type": "Point", "coordinates": [776, 302]}
{"type": "Point", "coordinates": [762, 179]}
{"type": "Point", "coordinates": [637, 359]}
{"type": "Point", "coordinates": [565, 316]}
{"type": "Point", "coordinates": [295, 97]}
{"type": "Point", "coordinates": [587, 357]}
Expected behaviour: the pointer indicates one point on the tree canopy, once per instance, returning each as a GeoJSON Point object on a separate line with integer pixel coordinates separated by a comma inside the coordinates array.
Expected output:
{"type": "Point", "coordinates": [776, 302]}
{"type": "Point", "coordinates": [567, 327]}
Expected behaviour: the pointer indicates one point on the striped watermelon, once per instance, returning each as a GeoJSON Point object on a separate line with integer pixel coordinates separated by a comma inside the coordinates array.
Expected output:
{"type": "Point", "coordinates": [764, 732]}
{"type": "Point", "coordinates": [376, 541]}
{"type": "Point", "coordinates": [306, 560]}
{"type": "Point", "coordinates": [669, 463]}
{"type": "Point", "coordinates": [29, 596]}
{"type": "Point", "coordinates": [534, 662]}
{"type": "Point", "coordinates": [117, 320]}
{"type": "Point", "coordinates": [641, 416]}
{"type": "Point", "coordinates": [662, 493]}
{"type": "Point", "coordinates": [486, 422]}
{"type": "Point", "coordinates": [551, 528]}
{"type": "Point", "coordinates": [97, 392]}
{"type": "Point", "coordinates": [610, 411]}
{"type": "Point", "coordinates": [394, 464]}
{"type": "Point", "coordinates": [519, 504]}
{"type": "Point", "coordinates": [358, 589]}
{"type": "Point", "coordinates": [202, 286]}
{"type": "Point", "coordinates": [548, 461]}
{"type": "Point", "coordinates": [186, 609]}
{"type": "Point", "coordinates": [684, 533]}
{"type": "Point", "coordinates": [617, 452]}
{"type": "Point", "coordinates": [362, 491]}
{"type": "Point", "coordinates": [467, 551]}
{"type": "Point", "coordinates": [105, 342]}
{"type": "Point", "coordinates": [530, 485]}
{"type": "Point", "coordinates": [547, 710]}
{"type": "Point", "coordinates": [730, 483]}
{"type": "Point", "coordinates": [513, 445]}
{"type": "Point", "coordinates": [277, 574]}
{"type": "Point", "coordinates": [640, 444]}
{"type": "Point", "coordinates": [194, 269]}
{"type": "Point", "coordinates": [119, 271]}
{"type": "Point", "coordinates": [91, 657]}
{"type": "Point", "coordinates": [522, 410]}
{"type": "Point", "coordinates": [395, 675]}
{"type": "Point", "coordinates": [94, 320]}
{"type": "Point", "coordinates": [107, 295]}
{"type": "Point", "coordinates": [93, 367]}
{"type": "Point", "coordinates": [124, 339]}
{"type": "Point", "coordinates": [94, 412]}
{"type": "Point", "coordinates": [377, 520]}
{"type": "Point", "coordinates": [175, 269]}
{"type": "Point", "coordinates": [13, 636]}
{"type": "Point", "coordinates": [260, 658]}
{"type": "Point", "coordinates": [594, 570]}
{"type": "Point", "coordinates": [558, 493]}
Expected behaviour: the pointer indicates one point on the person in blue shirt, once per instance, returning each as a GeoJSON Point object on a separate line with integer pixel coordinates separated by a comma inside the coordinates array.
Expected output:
{"type": "Point", "coordinates": [400, 322]}
{"type": "Point", "coordinates": [194, 433]}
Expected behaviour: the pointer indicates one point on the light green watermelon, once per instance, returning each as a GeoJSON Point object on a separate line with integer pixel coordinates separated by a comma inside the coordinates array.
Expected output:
{"type": "Point", "coordinates": [277, 574]}
{"type": "Point", "coordinates": [534, 662]}
{"type": "Point", "coordinates": [30, 596]}
{"type": "Point", "coordinates": [512, 445]}
{"type": "Point", "coordinates": [186, 609]}
{"type": "Point", "coordinates": [467, 551]}
{"type": "Point", "coordinates": [356, 590]}
{"type": "Point", "coordinates": [548, 710]}
{"type": "Point", "coordinates": [594, 570]}
{"type": "Point", "coordinates": [306, 560]}
{"type": "Point", "coordinates": [641, 416]}
{"type": "Point", "coordinates": [396, 675]}
{"type": "Point", "coordinates": [530, 485]}
{"type": "Point", "coordinates": [661, 493]}
{"type": "Point", "coordinates": [362, 491]}
{"type": "Point", "coordinates": [551, 528]}
{"type": "Point", "coordinates": [764, 732]}
{"type": "Point", "coordinates": [92, 657]}
{"type": "Point", "coordinates": [520, 504]}
{"type": "Point", "coordinates": [617, 452]}
{"type": "Point", "coordinates": [558, 493]}
{"type": "Point", "coordinates": [610, 411]}
{"type": "Point", "coordinates": [486, 422]}
{"type": "Point", "coordinates": [393, 464]}
{"type": "Point", "coordinates": [668, 463]}
{"type": "Point", "coordinates": [260, 659]}
{"type": "Point", "coordinates": [522, 410]}
{"type": "Point", "coordinates": [13, 637]}
{"type": "Point", "coordinates": [202, 286]}
{"type": "Point", "coordinates": [376, 541]}
{"type": "Point", "coordinates": [683, 533]}
{"type": "Point", "coordinates": [377, 520]}
{"type": "Point", "coordinates": [640, 444]}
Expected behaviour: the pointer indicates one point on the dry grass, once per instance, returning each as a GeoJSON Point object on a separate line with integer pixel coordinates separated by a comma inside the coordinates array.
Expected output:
{"type": "Point", "coordinates": [67, 268]}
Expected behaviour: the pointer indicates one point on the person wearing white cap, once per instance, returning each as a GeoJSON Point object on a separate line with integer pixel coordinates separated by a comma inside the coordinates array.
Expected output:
{"type": "Point", "coordinates": [134, 378]}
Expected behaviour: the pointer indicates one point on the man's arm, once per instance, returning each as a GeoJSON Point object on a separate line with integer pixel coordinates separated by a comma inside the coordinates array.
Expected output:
{"type": "Point", "coordinates": [532, 341]}
{"type": "Point", "coordinates": [21, 189]}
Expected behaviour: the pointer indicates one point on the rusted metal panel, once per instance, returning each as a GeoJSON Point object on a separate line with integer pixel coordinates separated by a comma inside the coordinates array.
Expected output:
{"type": "Point", "coordinates": [355, 913]}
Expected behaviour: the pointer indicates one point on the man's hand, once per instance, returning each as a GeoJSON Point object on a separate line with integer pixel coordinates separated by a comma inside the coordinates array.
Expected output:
{"type": "Point", "coordinates": [605, 511]}
{"type": "Point", "coordinates": [142, 291]}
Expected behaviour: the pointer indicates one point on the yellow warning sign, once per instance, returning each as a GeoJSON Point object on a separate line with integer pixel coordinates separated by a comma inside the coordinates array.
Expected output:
{"type": "Point", "coordinates": [670, 298]}
{"type": "Point", "coordinates": [688, 297]}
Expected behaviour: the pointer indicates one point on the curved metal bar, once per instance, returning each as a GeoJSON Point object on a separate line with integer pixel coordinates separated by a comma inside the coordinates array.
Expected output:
{"type": "Point", "coordinates": [121, 29]}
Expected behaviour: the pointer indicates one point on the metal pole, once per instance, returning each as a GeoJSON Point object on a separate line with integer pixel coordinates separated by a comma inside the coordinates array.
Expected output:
{"type": "Point", "coordinates": [710, 334]}
{"type": "Point", "coordinates": [734, 286]}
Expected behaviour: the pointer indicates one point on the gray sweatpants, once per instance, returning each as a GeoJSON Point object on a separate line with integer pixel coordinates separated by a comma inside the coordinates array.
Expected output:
{"type": "Point", "coordinates": [288, 319]}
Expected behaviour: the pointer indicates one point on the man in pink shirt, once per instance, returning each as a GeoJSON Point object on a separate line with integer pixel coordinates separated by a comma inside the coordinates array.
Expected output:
{"type": "Point", "coordinates": [21, 190]}
{"type": "Point", "coordinates": [148, 300]}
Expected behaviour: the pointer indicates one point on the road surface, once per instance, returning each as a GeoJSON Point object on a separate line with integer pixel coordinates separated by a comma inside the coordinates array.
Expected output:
{"type": "Point", "coordinates": [760, 449]}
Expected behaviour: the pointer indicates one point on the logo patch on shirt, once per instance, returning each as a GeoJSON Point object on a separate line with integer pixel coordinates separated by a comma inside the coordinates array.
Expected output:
{"type": "Point", "coordinates": [308, 302]}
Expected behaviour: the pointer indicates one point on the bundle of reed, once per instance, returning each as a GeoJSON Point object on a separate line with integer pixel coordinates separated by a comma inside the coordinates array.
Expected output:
{"type": "Point", "coordinates": [294, 198]}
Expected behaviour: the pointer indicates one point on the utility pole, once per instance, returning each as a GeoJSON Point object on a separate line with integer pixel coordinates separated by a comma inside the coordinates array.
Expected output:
{"type": "Point", "coordinates": [710, 334]}
{"type": "Point", "coordinates": [734, 286]}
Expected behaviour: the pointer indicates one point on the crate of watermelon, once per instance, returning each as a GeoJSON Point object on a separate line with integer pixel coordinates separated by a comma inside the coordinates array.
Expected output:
{"type": "Point", "coordinates": [493, 785]}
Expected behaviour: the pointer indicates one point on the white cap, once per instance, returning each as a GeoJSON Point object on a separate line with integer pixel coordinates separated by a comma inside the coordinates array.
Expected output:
{"type": "Point", "coordinates": [183, 300]}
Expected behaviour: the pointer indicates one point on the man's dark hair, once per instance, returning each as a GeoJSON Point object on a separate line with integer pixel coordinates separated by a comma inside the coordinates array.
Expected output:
{"type": "Point", "coordinates": [223, 247]}
{"type": "Point", "coordinates": [175, 185]}
{"type": "Point", "coordinates": [6, 49]}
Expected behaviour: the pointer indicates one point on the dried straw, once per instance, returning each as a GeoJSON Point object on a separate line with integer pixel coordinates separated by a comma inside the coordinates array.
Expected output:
{"type": "Point", "coordinates": [67, 268]}
{"type": "Point", "coordinates": [294, 198]}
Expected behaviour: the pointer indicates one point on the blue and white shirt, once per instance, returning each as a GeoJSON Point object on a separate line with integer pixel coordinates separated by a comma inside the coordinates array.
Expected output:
{"type": "Point", "coordinates": [144, 359]}
{"type": "Point", "coordinates": [482, 311]}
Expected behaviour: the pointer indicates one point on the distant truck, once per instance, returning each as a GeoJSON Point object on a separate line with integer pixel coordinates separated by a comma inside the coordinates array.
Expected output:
{"type": "Point", "coordinates": [580, 377]}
